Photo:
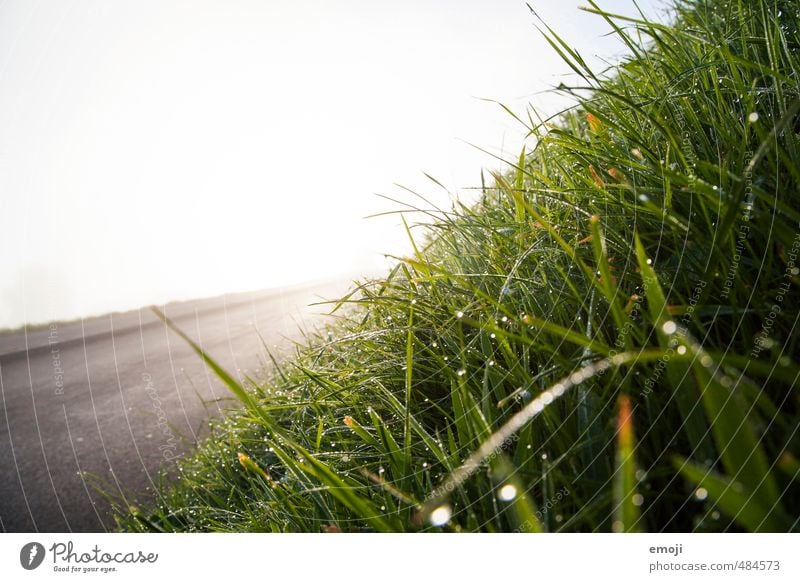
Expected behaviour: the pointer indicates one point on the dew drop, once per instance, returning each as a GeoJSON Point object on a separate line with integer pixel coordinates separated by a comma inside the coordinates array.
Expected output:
{"type": "Point", "coordinates": [700, 494]}
{"type": "Point", "coordinates": [637, 499]}
{"type": "Point", "coordinates": [753, 117]}
{"type": "Point", "coordinates": [459, 314]}
{"type": "Point", "coordinates": [507, 493]}
{"type": "Point", "coordinates": [669, 327]}
{"type": "Point", "coordinates": [441, 515]}
{"type": "Point", "coordinates": [461, 372]}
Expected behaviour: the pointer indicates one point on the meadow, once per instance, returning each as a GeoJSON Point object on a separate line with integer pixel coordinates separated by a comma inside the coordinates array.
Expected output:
{"type": "Point", "coordinates": [604, 342]}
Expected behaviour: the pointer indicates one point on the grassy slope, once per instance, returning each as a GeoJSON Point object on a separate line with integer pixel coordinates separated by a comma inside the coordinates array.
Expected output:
{"type": "Point", "coordinates": [605, 342]}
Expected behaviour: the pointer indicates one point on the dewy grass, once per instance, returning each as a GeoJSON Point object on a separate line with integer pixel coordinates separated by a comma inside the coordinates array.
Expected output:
{"type": "Point", "coordinates": [606, 341]}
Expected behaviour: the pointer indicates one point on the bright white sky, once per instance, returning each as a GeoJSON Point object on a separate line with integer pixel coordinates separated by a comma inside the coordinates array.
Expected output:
{"type": "Point", "coordinates": [159, 150]}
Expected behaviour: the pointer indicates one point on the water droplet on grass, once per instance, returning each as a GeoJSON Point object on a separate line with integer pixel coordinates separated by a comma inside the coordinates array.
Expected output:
{"type": "Point", "coordinates": [507, 493]}
{"type": "Point", "coordinates": [441, 515]}
{"type": "Point", "coordinates": [753, 117]}
{"type": "Point", "coordinates": [700, 494]}
{"type": "Point", "coordinates": [669, 327]}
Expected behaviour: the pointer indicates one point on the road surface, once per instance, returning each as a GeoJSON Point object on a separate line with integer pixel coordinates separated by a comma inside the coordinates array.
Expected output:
{"type": "Point", "coordinates": [120, 397]}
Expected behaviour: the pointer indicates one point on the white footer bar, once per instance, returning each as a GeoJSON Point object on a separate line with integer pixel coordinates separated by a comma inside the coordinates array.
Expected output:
{"type": "Point", "coordinates": [353, 557]}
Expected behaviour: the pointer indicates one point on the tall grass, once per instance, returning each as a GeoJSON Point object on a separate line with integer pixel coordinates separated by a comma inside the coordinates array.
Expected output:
{"type": "Point", "coordinates": [606, 341]}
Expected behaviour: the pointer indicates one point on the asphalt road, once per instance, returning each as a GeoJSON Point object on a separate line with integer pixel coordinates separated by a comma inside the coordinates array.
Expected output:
{"type": "Point", "coordinates": [120, 397]}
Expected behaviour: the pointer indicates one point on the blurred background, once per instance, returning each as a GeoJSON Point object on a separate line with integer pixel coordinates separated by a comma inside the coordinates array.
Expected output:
{"type": "Point", "coordinates": [160, 150]}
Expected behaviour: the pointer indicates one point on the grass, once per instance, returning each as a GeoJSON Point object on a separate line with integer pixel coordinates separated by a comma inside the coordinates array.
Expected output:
{"type": "Point", "coordinates": [606, 341]}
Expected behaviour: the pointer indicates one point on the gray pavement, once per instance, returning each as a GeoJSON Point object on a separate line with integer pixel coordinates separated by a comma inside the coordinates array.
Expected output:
{"type": "Point", "coordinates": [120, 397]}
